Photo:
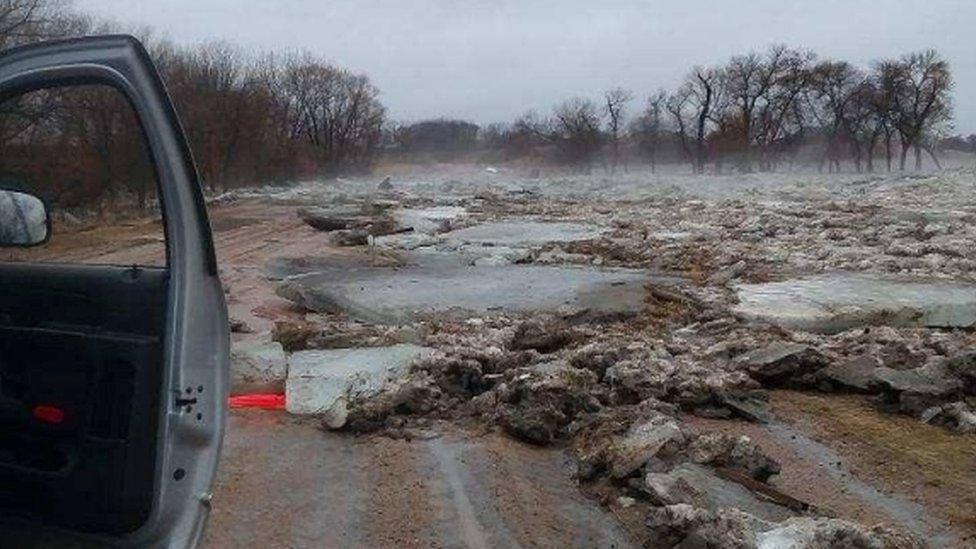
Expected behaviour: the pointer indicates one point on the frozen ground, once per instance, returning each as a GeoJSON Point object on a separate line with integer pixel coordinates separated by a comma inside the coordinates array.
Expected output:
{"type": "Point", "coordinates": [910, 224]}
{"type": "Point", "coordinates": [601, 320]}
{"type": "Point", "coordinates": [734, 285]}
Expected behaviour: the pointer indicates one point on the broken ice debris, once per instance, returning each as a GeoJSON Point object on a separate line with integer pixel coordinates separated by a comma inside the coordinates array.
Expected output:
{"type": "Point", "coordinates": [524, 233]}
{"type": "Point", "coordinates": [257, 367]}
{"type": "Point", "coordinates": [324, 382]}
{"type": "Point", "coordinates": [699, 486]}
{"type": "Point", "coordinates": [833, 303]}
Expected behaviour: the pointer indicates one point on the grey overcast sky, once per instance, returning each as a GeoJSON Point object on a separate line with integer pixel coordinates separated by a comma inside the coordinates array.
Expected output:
{"type": "Point", "coordinates": [491, 60]}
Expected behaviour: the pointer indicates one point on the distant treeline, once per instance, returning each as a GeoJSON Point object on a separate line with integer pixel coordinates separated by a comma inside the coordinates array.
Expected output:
{"type": "Point", "coordinates": [757, 112]}
{"type": "Point", "coordinates": [250, 119]}
{"type": "Point", "coordinates": [259, 118]}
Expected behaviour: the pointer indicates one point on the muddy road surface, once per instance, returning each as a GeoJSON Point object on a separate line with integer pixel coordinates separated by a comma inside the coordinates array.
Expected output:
{"type": "Point", "coordinates": [285, 483]}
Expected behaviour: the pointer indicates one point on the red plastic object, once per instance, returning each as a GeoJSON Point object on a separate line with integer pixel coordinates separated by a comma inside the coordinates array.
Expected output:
{"type": "Point", "coordinates": [258, 401]}
{"type": "Point", "coordinates": [48, 414]}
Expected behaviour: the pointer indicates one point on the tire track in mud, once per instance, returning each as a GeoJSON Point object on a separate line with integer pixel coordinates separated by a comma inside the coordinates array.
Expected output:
{"type": "Point", "coordinates": [519, 496]}
{"type": "Point", "coordinates": [452, 486]}
{"type": "Point", "coordinates": [398, 511]}
{"type": "Point", "coordinates": [283, 483]}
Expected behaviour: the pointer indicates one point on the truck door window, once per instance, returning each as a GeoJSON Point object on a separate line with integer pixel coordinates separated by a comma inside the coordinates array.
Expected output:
{"type": "Point", "coordinates": [80, 149]}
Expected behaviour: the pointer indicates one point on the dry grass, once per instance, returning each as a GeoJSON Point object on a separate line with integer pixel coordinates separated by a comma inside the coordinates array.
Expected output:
{"type": "Point", "coordinates": [97, 243]}
{"type": "Point", "coordinates": [934, 466]}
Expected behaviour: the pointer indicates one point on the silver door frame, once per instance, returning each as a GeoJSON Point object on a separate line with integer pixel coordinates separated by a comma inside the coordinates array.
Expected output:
{"type": "Point", "coordinates": [196, 336]}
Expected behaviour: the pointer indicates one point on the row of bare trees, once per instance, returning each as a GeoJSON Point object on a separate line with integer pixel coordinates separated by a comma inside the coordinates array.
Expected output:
{"type": "Point", "coordinates": [250, 119]}
{"type": "Point", "coordinates": [757, 112]}
{"type": "Point", "coordinates": [253, 120]}
{"type": "Point", "coordinates": [440, 139]}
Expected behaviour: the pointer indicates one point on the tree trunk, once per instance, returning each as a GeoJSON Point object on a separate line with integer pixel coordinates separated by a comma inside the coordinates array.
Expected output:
{"type": "Point", "coordinates": [904, 155]}
{"type": "Point", "coordinates": [918, 157]}
{"type": "Point", "coordinates": [615, 152]}
{"type": "Point", "coordinates": [935, 159]}
{"type": "Point", "coordinates": [888, 152]}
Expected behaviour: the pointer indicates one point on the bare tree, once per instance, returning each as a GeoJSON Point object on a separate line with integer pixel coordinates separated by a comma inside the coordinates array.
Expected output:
{"type": "Point", "coordinates": [211, 87]}
{"type": "Point", "coordinates": [253, 119]}
{"type": "Point", "coordinates": [614, 103]}
{"type": "Point", "coordinates": [23, 21]}
{"type": "Point", "coordinates": [777, 118]}
{"type": "Point", "coordinates": [528, 133]}
{"type": "Point", "coordinates": [762, 89]}
{"type": "Point", "coordinates": [834, 85]}
{"type": "Point", "coordinates": [923, 104]}
{"type": "Point", "coordinates": [678, 105]}
{"type": "Point", "coordinates": [249, 119]}
{"type": "Point", "coordinates": [885, 79]}
{"type": "Point", "coordinates": [576, 130]}
{"type": "Point", "coordinates": [648, 127]}
{"type": "Point", "coordinates": [692, 108]}
{"type": "Point", "coordinates": [335, 112]}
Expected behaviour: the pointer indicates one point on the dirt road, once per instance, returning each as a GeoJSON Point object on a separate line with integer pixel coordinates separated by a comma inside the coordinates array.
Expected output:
{"type": "Point", "coordinates": [285, 483]}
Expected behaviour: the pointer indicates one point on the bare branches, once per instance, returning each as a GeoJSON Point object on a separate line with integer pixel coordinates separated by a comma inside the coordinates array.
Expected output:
{"type": "Point", "coordinates": [23, 21]}
{"type": "Point", "coordinates": [693, 109]}
{"type": "Point", "coordinates": [763, 90]}
{"type": "Point", "coordinates": [921, 83]}
{"type": "Point", "coordinates": [250, 119]}
{"type": "Point", "coordinates": [649, 128]}
{"type": "Point", "coordinates": [761, 107]}
{"type": "Point", "coordinates": [273, 117]}
{"type": "Point", "coordinates": [576, 130]}
{"type": "Point", "coordinates": [614, 102]}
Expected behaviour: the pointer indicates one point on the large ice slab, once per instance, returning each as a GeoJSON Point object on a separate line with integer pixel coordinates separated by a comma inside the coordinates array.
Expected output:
{"type": "Point", "coordinates": [395, 296]}
{"type": "Point", "coordinates": [832, 303]}
{"type": "Point", "coordinates": [257, 367]}
{"type": "Point", "coordinates": [524, 233]}
{"type": "Point", "coordinates": [428, 220]}
{"type": "Point", "coordinates": [324, 382]}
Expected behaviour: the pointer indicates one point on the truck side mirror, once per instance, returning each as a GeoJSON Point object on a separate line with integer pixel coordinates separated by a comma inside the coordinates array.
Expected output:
{"type": "Point", "coordinates": [23, 219]}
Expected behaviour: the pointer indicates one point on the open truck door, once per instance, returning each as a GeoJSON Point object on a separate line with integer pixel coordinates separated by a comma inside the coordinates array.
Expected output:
{"type": "Point", "coordinates": [113, 378]}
